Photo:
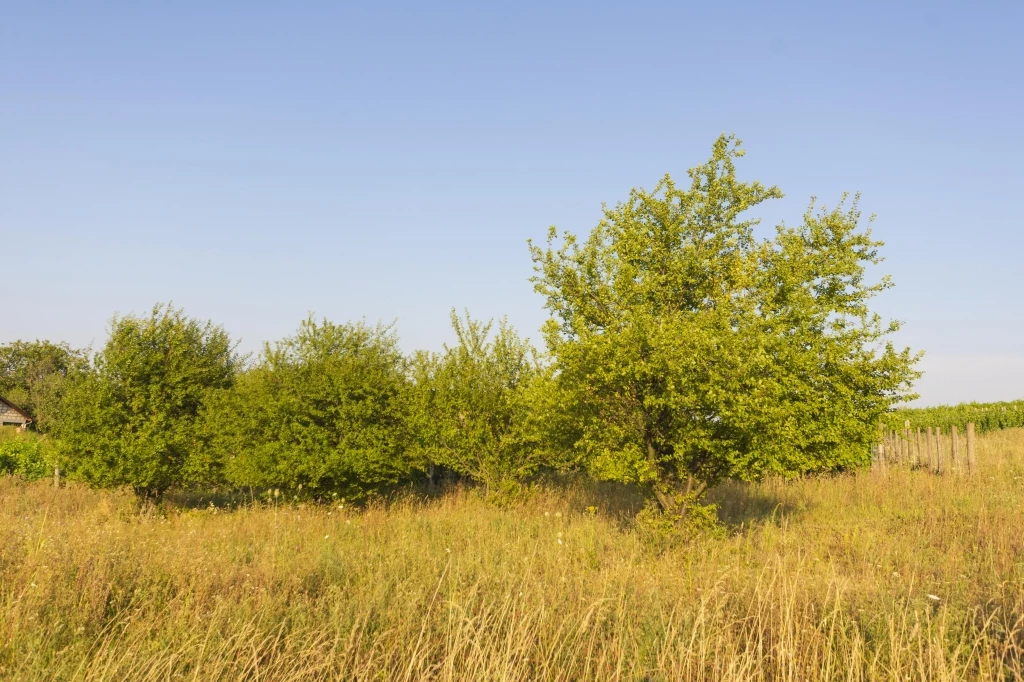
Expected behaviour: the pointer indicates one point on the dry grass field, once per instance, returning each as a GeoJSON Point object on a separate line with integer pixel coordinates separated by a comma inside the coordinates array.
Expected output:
{"type": "Point", "coordinates": [902, 576]}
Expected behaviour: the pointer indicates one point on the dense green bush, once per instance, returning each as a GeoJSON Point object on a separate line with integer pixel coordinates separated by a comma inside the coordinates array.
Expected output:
{"type": "Point", "coordinates": [25, 457]}
{"type": "Point", "coordinates": [325, 411]}
{"type": "Point", "coordinates": [480, 406]}
{"type": "Point", "coordinates": [132, 421]}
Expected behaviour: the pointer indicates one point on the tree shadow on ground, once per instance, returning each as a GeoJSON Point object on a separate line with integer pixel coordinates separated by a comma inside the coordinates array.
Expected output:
{"type": "Point", "coordinates": [223, 499]}
{"type": "Point", "coordinates": [583, 495]}
{"type": "Point", "coordinates": [740, 504]}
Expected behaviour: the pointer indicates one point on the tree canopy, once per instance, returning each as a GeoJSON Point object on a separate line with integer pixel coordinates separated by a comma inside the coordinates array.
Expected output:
{"type": "Point", "coordinates": [133, 420]}
{"type": "Point", "coordinates": [325, 410]}
{"type": "Point", "coordinates": [480, 403]}
{"type": "Point", "coordinates": [34, 375]}
{"type": "Point", "coordinates": [688, 350]}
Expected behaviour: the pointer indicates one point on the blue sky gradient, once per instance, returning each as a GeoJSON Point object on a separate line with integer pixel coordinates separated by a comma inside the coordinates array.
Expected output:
{"type": "Point", "coordinates": [253, 162]}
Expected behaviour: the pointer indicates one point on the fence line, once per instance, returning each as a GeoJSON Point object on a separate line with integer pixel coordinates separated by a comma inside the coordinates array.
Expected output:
{"type": "Point", "coordinates": [928, 450]}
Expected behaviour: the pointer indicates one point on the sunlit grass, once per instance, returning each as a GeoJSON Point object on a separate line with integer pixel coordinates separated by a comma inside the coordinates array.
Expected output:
{"type": "Point", "coordinates": [898, 576]}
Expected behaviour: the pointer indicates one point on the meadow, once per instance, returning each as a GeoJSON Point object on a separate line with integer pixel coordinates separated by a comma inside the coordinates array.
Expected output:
{"type": "Point", "coordinates": [870, 576]}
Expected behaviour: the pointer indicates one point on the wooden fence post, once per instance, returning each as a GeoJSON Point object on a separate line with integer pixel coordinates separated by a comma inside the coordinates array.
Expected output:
{"type": "Point", "coordinates": [931, 448]}
{"type": "Point", "coordinates": [938, 450]}
{"type": "Point", "coordinates": [954, 453]}
{"type": "Point", "coordinates": [920, 454]}
{"type": "Point", "coordinates": [56, 476]}
{"type": "Point", "coordinates": [972, 463]}
{"type": "Point", "coordinates": [908, 451]}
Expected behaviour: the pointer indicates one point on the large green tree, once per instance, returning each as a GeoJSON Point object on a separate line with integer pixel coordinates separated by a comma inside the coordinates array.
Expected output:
{"type": "Point", "coordinates": [35, 374]}
{"type": "Point", "coordinates": [325, 410]}
{"type": "Point", "coordinates": [134, 420]}
{"type": "Point", "coordinates": [480, 405]}
{"type": "Point", "coordinates": [688, 350]}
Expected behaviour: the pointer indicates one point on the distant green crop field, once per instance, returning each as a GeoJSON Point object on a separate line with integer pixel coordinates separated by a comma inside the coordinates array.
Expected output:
{"type": "Point", "coordinates": [986, 416]}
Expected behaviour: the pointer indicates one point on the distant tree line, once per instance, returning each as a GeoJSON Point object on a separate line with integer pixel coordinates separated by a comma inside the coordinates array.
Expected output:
{"type": "Point", "coordinates": [682, 349]}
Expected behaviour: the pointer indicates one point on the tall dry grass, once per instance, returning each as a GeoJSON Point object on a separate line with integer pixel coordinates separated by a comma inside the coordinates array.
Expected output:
{"type": "Point", "coordinates": [904, 576]}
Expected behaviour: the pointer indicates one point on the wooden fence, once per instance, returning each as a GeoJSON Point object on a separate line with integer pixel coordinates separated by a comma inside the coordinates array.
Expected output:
{"type": "Point", "coordinates": [927, 448]}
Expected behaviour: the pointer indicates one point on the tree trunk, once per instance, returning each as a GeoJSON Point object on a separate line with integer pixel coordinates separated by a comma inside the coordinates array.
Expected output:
{"type": "Point", "coordinates": [661, 488]}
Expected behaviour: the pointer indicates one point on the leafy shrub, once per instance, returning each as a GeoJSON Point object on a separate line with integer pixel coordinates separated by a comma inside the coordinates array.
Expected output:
{"type": "Point", "coordinates": [480, 404]}
{"type": "Point", "coordinates": [24, 457]}
{"type": "Point", "coordinates": [324, 411]}
{"type": "Point", "coordinates": [661, 530]}
{"type": "Point", "coordinates": [133, 419]}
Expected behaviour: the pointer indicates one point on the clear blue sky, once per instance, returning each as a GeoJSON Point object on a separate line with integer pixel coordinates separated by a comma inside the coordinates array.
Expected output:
{"type": "Point", "coordinates": [256, 161]}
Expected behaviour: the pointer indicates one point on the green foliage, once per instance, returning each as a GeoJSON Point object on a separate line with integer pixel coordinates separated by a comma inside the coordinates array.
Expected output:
{"type": "Point", "coordinates": [689, 351]}
{"type": "Point", "coordinates": [986, 416]}
{"type": "Point", "coordinates": [661, 530]}
{"type": "Point", "coordinates": [133, 420]}
{"type": "Point", "coordinates": [480, 403]}
{"type": "Point", "coordinates": [34, 375]}
{"type": "Point", "coordinates": [685, 350]}
{"type": "Point", "coordinates": [24, 456]}
{"type": "Point", "coordinates": [324, 411]}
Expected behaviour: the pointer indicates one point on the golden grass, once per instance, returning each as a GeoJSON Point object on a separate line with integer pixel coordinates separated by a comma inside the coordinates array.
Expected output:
{"type": "Point", "coordinates": [818, 579]}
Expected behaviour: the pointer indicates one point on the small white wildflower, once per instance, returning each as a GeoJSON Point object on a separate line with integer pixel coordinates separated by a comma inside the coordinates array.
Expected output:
{"type": "Point", "coordinates": [448, 550]}
{"type": "Point", "coordinates": [559, 540]}
{"type": "Point", "coordinates": [326, 536]}
{"type": "Point", "coordinates": [934, 597]}
{"type": "Point", "coordinates": [546, 514]}
{"type": "Point", "coordinates": [80, 629]}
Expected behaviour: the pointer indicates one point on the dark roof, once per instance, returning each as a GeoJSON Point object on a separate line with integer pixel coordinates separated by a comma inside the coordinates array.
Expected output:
{"type": "Point", "coordinates": [14, 407]}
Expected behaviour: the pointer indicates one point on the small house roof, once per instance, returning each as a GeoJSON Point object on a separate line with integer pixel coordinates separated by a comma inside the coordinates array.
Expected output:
{"type": "Point", "coordinates": [14, 407]}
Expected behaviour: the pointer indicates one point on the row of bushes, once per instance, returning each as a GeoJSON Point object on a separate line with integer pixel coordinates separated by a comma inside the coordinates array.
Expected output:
{"type": "Point", "coordinates": [681, 349]}
{"type": "Point", "coordinates": [336, 409]}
